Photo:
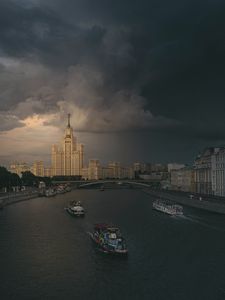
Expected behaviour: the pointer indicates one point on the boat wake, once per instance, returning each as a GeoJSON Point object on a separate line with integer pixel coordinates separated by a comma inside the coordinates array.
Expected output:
{"type": "Point", "coordinates": [179, 217]}
{"type": "Point", "coordinates": [201, 222]}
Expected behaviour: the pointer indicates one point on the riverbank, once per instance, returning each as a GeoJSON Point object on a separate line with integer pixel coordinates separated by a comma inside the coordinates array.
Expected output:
{"type": "Point", "coordinates": [205, 203]}
{"type": "Point", "coordinates": [17, 197]}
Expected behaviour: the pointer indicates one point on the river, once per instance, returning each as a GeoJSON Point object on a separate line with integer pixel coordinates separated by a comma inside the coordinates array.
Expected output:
{"type": "Point", "coordinates": [47, 254]}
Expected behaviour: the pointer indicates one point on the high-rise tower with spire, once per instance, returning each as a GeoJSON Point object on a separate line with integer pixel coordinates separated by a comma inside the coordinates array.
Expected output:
{"type": "Point", "coordinates": [67, 159]}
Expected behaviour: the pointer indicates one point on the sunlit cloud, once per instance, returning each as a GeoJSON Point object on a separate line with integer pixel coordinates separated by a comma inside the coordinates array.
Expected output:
{"type": "Point", "coordinates": [33, 140]}
{"type": "Point", "coordinates": [37, 121]}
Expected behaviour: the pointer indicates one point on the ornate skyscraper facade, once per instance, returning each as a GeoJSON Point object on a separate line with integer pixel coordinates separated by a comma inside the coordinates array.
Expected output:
{"type": "Point", "coordinates": [67, 159]}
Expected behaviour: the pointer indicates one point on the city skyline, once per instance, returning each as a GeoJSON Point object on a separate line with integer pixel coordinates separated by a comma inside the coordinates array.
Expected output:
{"type": "Point", "coordinates": [138, 86]}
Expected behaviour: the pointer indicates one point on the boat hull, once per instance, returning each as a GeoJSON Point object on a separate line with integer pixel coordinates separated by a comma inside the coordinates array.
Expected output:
{"type": "Point", "coordinates": [75, 214]}
{"type": "Point", "coordinates": [167, 211]}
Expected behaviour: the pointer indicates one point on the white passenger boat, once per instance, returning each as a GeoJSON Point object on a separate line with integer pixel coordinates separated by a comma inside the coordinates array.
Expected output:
{"type": "Point", "coordinates": [76, 210]}
{"type": "Point", "coordinates": [170, 209]}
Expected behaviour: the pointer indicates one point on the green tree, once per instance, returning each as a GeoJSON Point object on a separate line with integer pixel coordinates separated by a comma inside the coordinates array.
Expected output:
{"type": "Point", "coordinates": [4, 177]}
{"type": "Point", "coordinates": [15, 180]}
{"type": "Point", "coordinates": [8, 179]}
{"type": "Point", "coordinates": [29, 179]}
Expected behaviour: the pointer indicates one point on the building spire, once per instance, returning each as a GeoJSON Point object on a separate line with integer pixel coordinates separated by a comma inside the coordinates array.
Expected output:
{"type": "Point", "coordinates": [68, 121]}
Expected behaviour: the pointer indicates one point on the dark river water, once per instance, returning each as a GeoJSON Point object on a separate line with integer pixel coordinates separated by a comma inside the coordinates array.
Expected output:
{"type": "Point", "coordinates": [47, 254]}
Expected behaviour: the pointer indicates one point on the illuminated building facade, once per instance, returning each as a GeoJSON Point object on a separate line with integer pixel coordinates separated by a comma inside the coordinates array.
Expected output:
{"type": "Point", "coordinates": [67, 159]}
{"type": "Point", "coordinates": [38, 168]}
{"type": "Point", "coordinates": [19, 168]}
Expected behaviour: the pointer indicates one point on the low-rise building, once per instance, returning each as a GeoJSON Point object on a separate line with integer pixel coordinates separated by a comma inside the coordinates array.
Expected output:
{"type": "Point", "coordinates": [114, 170]}
{"type": "Point", "coordinates": [118, 171]}
{"type": "Point", "coordinates": [94, 169]}
{"type": "Point", "coordinates": [107, 173]}
{"type": "Point", "coordinates": [153, 176]}
{"type": "Point", "coordinates": [19, 167]}
{"type": "Point", "coordinates": [84, 173]}
{"type": "Point", "coordinates": [174, 166]}
{"type": "Point", "coordinates": [159, 168]}
{"type": "Point", "coordinates": [139, 167]}
{"type": "Point", "coordinates": [203, 171]}
{"type": "Point", "coordinates": [182, 179]}
{"type": "Point", "coordinates": [218, 172]}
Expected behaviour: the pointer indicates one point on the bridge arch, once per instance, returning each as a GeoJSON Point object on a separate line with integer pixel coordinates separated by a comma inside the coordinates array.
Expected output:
{"type": "Point", "coordinates": [102, 182]}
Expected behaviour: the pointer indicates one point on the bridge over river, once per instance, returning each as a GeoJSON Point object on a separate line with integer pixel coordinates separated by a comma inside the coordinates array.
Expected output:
{"type": "Point", "coordinates": [111, 183]}
{"type": "Point", "coordinates": [208, 202]}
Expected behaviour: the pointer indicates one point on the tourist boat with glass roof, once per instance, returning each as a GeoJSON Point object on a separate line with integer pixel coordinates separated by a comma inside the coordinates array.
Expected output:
{"type": "Point", "coordinates": [167, 208]}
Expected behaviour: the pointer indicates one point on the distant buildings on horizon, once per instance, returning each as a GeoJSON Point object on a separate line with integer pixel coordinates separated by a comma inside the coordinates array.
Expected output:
{"type": "Point", "coordinates": [67, 159]}
{"type": "Point", "coordinates": [205, 176]}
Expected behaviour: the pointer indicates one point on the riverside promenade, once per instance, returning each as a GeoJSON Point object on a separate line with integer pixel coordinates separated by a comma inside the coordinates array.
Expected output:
{"type": "Point", "coordinates": [11, 198]}
{"type": "Point", "coordinates": [205, 202]}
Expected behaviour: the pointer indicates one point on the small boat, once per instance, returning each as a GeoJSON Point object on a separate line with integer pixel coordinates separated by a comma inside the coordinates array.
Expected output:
{"type": "Point", "coordinates": [50, 192]}
{"type": "Point", "coordinates": [108, 239]}
{"type": "Point", "coordinates": [76, 209]}
{"type": "Point", "coordinates": [167, 208]}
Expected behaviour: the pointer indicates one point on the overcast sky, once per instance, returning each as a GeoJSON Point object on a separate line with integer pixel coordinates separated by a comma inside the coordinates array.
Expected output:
{"type": "Point", "coordinates": [143, 79]}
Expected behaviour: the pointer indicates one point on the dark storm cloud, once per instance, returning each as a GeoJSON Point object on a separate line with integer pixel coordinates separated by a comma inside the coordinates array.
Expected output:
{"type": "Point", "coordinates": [35, 32]}
{"type": "Point", "coordinates": [168, 56]}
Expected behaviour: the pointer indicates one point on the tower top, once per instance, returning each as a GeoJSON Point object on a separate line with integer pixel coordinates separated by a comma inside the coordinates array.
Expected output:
{"type": "Point", "coordinates": [68, 121]}
{"type": "Point", "coordinates": [69, 129]}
